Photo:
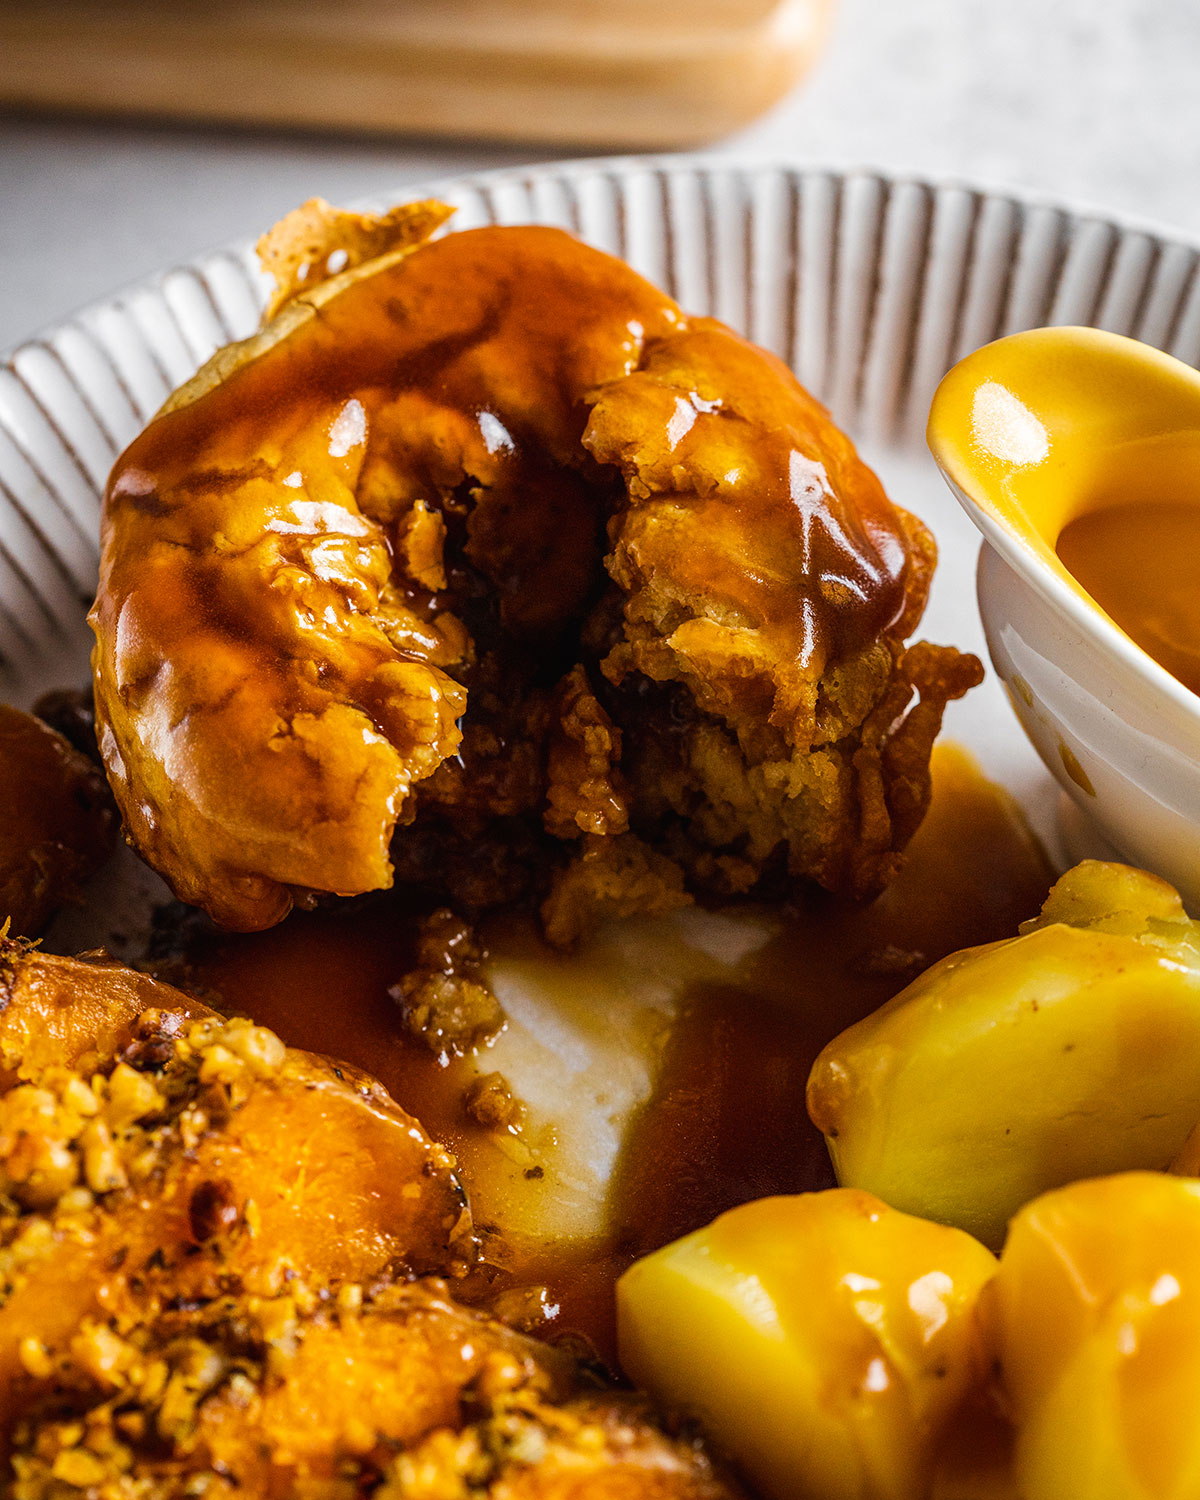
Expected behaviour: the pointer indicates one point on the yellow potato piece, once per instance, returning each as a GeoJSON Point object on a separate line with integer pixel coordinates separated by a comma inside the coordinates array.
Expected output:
{"type": "Point", "coordinates": [1095, 1314]}
{"type": "Point", "coordinates": [1068, 1052]}
{"type": "Point", "coordinates": [824, 1340]}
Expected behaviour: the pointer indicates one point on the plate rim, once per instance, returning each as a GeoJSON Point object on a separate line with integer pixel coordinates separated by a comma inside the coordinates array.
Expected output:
{"type": "Point", "coordinates": [1082, 210]}
{"type": "Point", "coordinates": [742, 174]}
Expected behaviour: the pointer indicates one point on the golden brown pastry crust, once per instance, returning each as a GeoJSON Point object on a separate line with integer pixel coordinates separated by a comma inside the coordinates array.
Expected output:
{"type": "Point", "coordinates": [482, 549]}
{"type": "Point", "coordinates": [316, 242]}
{"type": "Point", "coordinates": [57, 823]}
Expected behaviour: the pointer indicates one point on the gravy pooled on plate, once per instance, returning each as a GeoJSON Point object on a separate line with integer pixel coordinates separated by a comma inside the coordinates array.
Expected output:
{"type": "Point", "coordinates": [702, 1090]}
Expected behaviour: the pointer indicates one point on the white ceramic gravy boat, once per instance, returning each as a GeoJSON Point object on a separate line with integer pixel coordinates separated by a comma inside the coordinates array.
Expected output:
{"type": "Point", "coordinates": [1031, 432]}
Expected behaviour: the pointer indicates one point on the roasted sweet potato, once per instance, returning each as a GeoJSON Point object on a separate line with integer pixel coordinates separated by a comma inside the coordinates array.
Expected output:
{"type": "Point", "coordinates": [152, 1151]}
{"type": "Point", "coordinates": [57, 821]}
{"type": "Point", "coordinates": [403, 1394]}
{"type": "Point", "coordinates": [207, 1243]}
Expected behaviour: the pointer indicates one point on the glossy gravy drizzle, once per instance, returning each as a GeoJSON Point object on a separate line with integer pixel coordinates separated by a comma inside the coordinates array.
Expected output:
{"type": "Point", "coordinates": [476, 358]}
{"type": "Point", "coordinates": [726, 1121]}
{"type": "Point", "coordinates": [1139, 563]}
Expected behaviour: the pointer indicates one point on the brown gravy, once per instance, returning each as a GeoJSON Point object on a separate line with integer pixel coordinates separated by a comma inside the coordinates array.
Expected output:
{"type": "Point", "coordinates": [493, 343]}
{"type": "Point", "coordinates": [727, 1121]}
{"type": "Point", "coordinates": [1139, 563]}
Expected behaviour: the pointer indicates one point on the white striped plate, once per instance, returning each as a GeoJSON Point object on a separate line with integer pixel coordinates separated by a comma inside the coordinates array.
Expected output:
{"type": "Point", "coordinates": [869, 286]}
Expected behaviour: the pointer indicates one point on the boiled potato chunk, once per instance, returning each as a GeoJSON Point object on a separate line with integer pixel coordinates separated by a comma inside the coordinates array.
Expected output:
{"type": "Point", "coordinates": [1068, 1052]}
{"type": "Point", "coordinates": [824, 1340]}
{"type": "Point", "coordinates": [1095, 1315]}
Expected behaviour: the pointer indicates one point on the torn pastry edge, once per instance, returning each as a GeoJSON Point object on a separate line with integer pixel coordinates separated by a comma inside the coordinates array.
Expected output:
{"type": "Point", "coordinates": [289, 309]}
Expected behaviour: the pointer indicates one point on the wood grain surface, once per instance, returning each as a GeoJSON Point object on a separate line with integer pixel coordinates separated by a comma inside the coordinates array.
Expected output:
{"type": "Point", "coordinates": [636, 73]}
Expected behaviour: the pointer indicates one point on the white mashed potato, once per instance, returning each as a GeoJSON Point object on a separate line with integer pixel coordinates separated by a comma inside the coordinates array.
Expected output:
{"type": "Point", "coordinates": [581, 1051]}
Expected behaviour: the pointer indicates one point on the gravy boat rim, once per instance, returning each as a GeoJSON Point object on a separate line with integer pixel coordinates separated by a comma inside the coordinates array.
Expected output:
{"type": "Point", "coordinates": [1029, 555]}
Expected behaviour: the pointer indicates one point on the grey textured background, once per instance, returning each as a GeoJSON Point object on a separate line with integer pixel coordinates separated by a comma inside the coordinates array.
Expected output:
{"type": "Point", "coordinates": [1096, 100]}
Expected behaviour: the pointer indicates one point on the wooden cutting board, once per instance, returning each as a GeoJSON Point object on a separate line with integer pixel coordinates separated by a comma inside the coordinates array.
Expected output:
{"type": "Point", "coordinates": [627, 73]}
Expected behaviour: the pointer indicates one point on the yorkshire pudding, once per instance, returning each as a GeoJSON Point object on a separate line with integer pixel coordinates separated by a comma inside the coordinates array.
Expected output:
{"type": "Point", "coordinates": [484, 566]}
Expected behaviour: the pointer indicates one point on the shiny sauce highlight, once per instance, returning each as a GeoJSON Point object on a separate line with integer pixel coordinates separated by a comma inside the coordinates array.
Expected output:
{"type": "Point", "coordinates": [476, 359]}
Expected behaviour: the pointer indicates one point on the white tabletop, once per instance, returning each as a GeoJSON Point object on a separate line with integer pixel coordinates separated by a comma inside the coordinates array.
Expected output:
{"type": "Point", "coordinates": [1090, 99]}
